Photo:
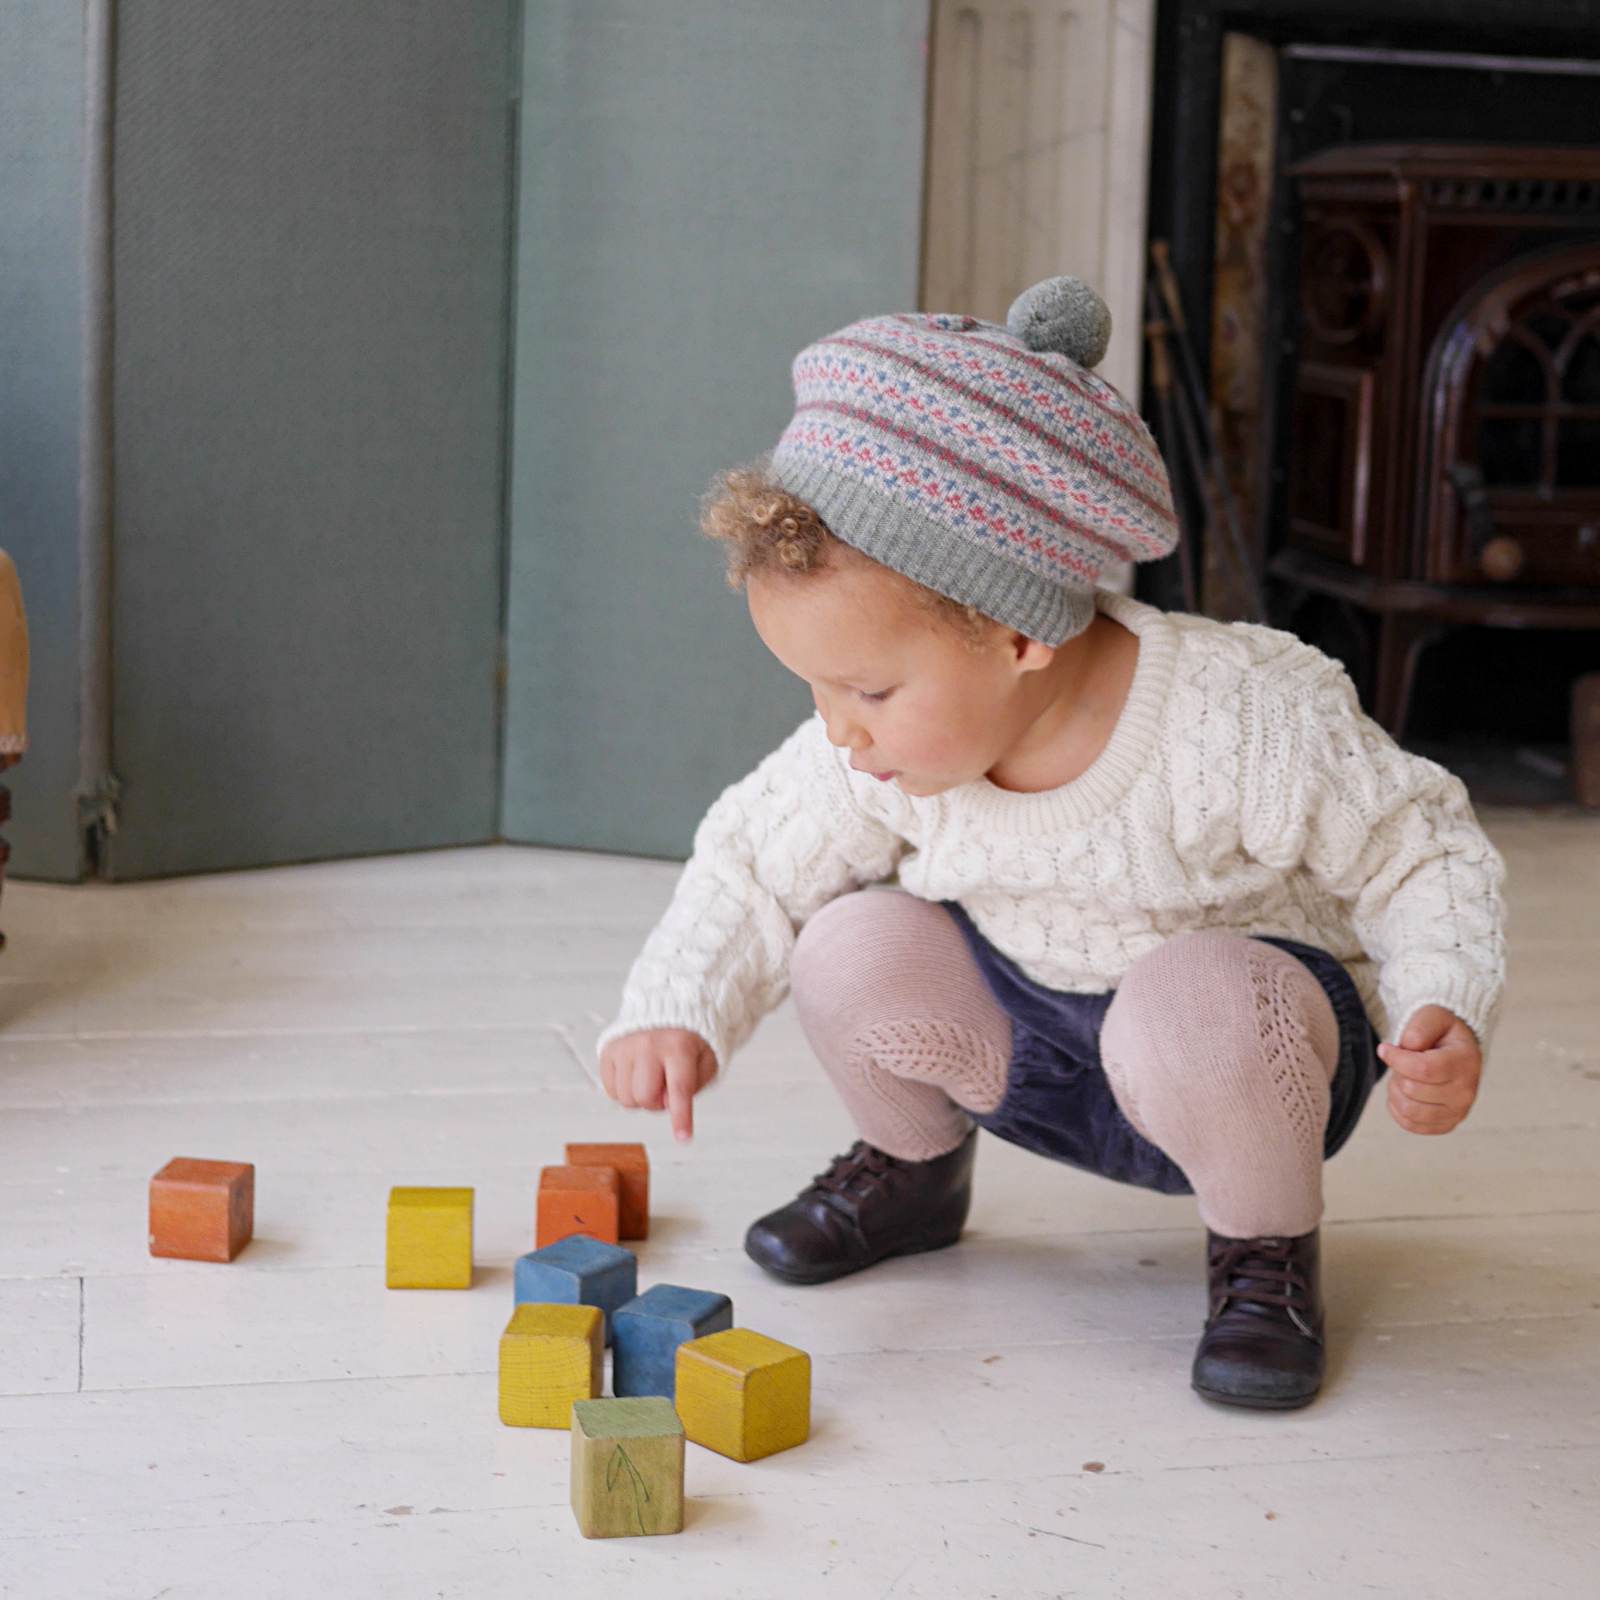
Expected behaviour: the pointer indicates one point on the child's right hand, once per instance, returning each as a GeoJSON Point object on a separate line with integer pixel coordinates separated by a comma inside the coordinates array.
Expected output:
{"type": "Point", "coordinates": [659, 1067]}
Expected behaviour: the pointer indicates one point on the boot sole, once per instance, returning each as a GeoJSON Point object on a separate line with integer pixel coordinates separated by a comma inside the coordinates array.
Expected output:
{"type": "Point", "coordinates": [828, 1274]}
{"type": "Point", "coordinates": [1256, 1402]}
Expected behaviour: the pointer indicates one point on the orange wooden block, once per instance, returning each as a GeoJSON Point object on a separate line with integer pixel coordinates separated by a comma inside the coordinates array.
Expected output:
{"type": "Point", "coordinates": [202, 1210]}
{"type": "Point", "coordinates": [633, 1168]}
{"type": "Point", "coordinates": [578, 1200]}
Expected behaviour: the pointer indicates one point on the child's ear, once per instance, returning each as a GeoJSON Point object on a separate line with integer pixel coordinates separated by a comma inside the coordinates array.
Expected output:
{"type": "Point", "coordinates": [1029, 654]}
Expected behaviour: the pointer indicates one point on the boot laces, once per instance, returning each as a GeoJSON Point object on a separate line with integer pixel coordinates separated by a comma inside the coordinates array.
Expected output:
{"type": "Point", "coordinates": [861, 1170]}
{"type": "Point", "coordinates": [1261, 1272]}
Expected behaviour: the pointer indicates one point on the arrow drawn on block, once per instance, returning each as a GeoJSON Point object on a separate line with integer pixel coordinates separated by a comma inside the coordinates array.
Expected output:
{"type": "Point", "coordinates": [619, 1459]}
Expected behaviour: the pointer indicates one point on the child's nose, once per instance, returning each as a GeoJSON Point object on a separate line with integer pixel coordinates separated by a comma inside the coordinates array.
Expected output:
{"type": "Point", "coordinates": [842, 730]}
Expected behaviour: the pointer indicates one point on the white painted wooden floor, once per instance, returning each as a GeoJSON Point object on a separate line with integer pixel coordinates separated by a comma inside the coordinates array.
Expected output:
{"type": "Point", "coordinates": [1007, 1418]}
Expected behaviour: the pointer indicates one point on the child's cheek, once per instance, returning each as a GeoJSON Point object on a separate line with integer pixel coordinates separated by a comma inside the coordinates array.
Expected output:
{"type": "Point", "coordinates": [945, 743]}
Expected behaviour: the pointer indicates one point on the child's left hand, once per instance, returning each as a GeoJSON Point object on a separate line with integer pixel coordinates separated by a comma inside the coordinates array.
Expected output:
{"type": "Point", "coordinates": [1433, 1071]}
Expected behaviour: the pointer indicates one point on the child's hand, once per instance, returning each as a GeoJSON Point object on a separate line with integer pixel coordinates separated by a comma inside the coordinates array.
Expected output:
{"type": "Point", "coordinates": [1433, 1071]}
{"type": "Point", "coordinates": [660, 1067]}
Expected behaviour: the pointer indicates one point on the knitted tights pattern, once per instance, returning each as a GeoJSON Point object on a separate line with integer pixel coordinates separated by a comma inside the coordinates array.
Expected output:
{"type": "Point", "coordinates": [1218, 1048]}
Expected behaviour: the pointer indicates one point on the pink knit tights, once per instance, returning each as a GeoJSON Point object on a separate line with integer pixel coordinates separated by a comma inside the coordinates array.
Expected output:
{"type": "Point", "coordinates": [1218, 1048]}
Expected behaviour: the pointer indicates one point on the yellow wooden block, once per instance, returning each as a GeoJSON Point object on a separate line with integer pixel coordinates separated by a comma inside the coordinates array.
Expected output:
{"type": "Point", "coordinates": [742, 1394]}
{"type": "Point", "coordinates": [430, 1239]}
{"type": "Point", "coordinates": [550, 1355]}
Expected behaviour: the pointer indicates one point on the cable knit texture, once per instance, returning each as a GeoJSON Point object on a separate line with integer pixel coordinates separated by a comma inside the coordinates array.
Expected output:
{"type": "Point", "coordinates": [1242, 789]}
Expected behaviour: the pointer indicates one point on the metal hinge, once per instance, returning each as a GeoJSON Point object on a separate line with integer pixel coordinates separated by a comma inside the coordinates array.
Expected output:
{"type": "Point", "coordinates": [97, 805]}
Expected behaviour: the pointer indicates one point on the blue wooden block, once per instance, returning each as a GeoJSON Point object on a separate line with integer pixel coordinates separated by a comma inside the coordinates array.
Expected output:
{"type": "Point", "coordinates": [649, 1330]}
{"type": "Point", "coordinates": [578, 1270]}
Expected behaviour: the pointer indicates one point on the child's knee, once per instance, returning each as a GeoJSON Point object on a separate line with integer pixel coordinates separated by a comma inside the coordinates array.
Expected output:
{"type": "Point", "coordinates": [881, 957]}
{"type": "Point", "coordinates": [1185, 981]}
{"type": "Point", "coordinates": [838, 953]}
{"type": "Point", "coordinates": [1228, 998]}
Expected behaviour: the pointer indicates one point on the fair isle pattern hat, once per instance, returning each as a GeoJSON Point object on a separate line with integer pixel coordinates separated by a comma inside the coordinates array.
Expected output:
{"type": "Point", "coordinates": [987, 463]}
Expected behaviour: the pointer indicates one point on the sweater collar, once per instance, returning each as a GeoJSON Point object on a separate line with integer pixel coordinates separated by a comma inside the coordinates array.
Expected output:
{"type": "Point", "coordinates": [1125, 754]}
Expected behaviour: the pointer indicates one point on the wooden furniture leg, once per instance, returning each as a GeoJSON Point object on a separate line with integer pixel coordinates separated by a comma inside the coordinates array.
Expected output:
{"type": "Point", "coordinates": [5, 816]}
{"type": "Point", "coordinates": [1402, 637]}
{"type": "Point", "coordinates": [1586, 739]}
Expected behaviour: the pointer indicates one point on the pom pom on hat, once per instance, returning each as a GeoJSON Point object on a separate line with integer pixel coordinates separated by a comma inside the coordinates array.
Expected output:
{"type": "Point", "coordinates": [1065, 315]}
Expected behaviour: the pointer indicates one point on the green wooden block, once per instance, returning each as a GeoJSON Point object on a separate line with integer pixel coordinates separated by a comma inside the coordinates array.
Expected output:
{"type": "Point", "coordinates": [627, 1467]}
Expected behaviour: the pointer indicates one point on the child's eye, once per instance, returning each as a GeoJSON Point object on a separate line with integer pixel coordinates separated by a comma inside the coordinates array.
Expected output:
{"type": "Point", "coordinates": [883, 694]}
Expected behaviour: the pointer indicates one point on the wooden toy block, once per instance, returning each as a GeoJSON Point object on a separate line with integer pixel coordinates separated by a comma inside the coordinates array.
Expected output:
{"type": "Point", "coordinates": [429, 1239]}
{"type": "Point", "coordinates": [202, 1210]}
{"type": "Point", "coordinates": [647, 1331]}
{"type": "Point", "coordinates": [578, 1270]}
{"type": "Point", "coordinates": [744, 1395]}
{"type": "Point", "coordinates": [627, 1467]}
{"type": "Point", "coordinates": [632, 1162]}
{"type": "Point", "coordinates": [549, 1357]}
{"type": "Point", "coordinates": [578, 1200]}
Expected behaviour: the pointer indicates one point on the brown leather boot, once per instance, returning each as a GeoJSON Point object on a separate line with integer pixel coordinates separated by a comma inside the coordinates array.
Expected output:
{"type": "Point", "coordinates": [1262, 1344]}
{"type": "Point", "coordinates": [866, 1206]}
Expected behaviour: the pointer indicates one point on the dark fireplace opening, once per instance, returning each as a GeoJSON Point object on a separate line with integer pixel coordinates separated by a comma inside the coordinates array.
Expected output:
{"type": "Point", "coordinates": [1397, 503]}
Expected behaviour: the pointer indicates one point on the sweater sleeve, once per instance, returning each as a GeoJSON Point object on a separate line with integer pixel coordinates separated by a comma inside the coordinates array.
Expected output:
{"type": "Point", "coordinates": [1391, 834]}
{"type": "Point", "coordinates": [772, 850]}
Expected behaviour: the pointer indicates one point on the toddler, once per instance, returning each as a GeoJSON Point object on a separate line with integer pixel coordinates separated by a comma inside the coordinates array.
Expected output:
{"type": "Point", "coordinates": [1137, 890]}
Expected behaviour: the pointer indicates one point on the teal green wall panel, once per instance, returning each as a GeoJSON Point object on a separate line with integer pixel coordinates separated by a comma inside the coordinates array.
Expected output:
{"type": "Point", "coordinates": [704, 188]}
{"type": "Point", "coordinates": [311, 270]}
{"type": "Point", "coordinates": [41, 292]}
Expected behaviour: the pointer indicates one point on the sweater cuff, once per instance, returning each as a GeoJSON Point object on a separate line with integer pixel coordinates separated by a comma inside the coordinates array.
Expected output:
{"type": "Point", "coordinates": [1475, 1000]}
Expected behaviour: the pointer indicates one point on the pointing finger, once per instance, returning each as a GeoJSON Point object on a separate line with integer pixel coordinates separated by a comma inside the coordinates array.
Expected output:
{"type": "Point", "coordinates": [682, 1081]}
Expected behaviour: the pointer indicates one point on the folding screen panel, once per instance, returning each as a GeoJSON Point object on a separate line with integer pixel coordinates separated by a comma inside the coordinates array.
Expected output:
{"type": "Point", "coordinates": [310, 269]}
{"type": "Point", "coordinates": [704, 188]}
{"type": "Point", "coordinates": [41, 292]}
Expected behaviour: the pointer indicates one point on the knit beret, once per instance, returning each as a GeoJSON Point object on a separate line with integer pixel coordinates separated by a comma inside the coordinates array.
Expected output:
{"type": "Point", "coordinates": [987, 463]}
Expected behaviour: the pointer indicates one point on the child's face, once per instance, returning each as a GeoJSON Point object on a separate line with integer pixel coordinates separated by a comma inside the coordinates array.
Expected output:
{"type": "Point", "coordinates": [901, 694]}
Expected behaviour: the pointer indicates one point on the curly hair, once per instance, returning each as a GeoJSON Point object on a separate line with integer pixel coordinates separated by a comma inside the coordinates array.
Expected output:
{"type": "Point", "coordinates": [763, 528]}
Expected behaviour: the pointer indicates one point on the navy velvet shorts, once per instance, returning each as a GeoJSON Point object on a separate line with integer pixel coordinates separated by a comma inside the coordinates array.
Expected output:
{"type": "Point", "coordinates": [1058, 1102]}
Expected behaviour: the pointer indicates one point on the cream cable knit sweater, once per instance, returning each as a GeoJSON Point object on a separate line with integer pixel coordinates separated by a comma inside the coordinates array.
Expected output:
{"type": "Point", "coordinates": [1242, 788]}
